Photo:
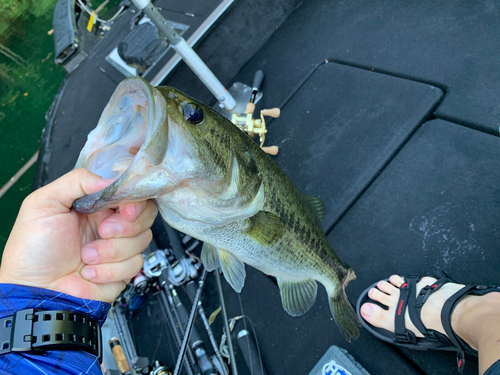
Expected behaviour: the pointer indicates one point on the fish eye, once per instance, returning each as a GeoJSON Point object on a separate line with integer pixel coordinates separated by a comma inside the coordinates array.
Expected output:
{"type": "Point", "coordinates": [193, 113]}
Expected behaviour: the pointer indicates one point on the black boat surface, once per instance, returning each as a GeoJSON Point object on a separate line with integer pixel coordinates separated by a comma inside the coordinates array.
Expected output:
{"type": "Point", "coordinates": [390, 114]}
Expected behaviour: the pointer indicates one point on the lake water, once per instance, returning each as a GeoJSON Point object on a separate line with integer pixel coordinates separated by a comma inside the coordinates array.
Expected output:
{"type": "Point", "coordinates": [29, 80]}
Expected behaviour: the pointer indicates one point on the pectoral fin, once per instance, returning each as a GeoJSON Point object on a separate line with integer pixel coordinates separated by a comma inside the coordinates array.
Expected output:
{"type": "Point", "coordinates": [297, 296]}
{"type": "Point", "coordinates": [266, 228]}
{"type": "Point", "coordinates": [210, 257]}
{"type": "Point", "coordinates": [317, 206]}
{"type": "Point", "coordinates": [233, 269]}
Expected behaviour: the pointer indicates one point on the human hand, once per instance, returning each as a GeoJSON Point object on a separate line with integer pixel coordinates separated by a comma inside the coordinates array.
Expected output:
{"type": "Point", "coordinates": [88, 256]}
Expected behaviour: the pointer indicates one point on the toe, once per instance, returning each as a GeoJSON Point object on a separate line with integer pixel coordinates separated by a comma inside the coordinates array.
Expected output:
{"type": "Point", "coordinates": [386, 287]}
{"type": "Point", "coordinates": [396, 280]}
{"type": "Point", "coordinates": [380, 297]}
{"type": "Point", "coordinates": [376, 316]}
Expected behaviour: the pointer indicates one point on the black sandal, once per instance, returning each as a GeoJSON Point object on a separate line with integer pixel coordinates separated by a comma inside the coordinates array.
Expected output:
{"type": "Point", "coordinates": [432, 340]}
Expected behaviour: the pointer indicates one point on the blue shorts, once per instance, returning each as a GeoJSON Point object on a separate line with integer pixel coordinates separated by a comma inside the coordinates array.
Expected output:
{"type": "Point", "coordinates": [494, 369]}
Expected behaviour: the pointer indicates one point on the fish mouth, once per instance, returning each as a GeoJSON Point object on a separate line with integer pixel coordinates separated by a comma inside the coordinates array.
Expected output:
{"type": "Point", "coordinates": [121, 131]}
{"type": "Point", "coordinates": [129, 140]}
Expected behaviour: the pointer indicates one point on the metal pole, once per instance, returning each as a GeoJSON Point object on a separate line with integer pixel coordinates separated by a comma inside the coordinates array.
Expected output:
{"type": "Point", "coordinates": [226, 323]}
{"type": "Point", "coordinates": [190, 57]}
{"type": "Point", "coordinates": [189, 326]}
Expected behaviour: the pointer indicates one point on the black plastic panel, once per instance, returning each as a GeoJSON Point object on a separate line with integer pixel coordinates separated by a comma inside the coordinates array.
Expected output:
{"type": "Point", "coordinates": [435, 207]}
{"type": "Point", "coordinates": [342, 126]}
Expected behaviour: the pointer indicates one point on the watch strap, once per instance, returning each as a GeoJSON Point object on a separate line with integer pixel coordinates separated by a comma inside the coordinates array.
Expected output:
{"type": "Point", "coordinates": [39, 330]}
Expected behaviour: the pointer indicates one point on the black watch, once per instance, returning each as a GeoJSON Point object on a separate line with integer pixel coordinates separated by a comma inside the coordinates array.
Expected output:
{"type": "Point", "coordinates": [36, 330]}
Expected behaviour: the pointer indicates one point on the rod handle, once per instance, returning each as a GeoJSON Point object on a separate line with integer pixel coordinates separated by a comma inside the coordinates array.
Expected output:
{"type": "Point", "coordinates": [257, 80]}
{"type": "Point", "coordinates": [250, 352]}
{"type": "Point", "coordinates": [119, 355]}
{"type": "Point", "coordinates": [250, 108]}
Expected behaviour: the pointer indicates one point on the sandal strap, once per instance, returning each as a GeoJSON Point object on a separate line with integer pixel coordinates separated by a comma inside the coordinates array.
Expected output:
{"type": "Point", "coordinates": [406, 291]}
{"type": "Point", "coordinates": [415, 305]}
{"type": "Point", "coordinates": [446, 312]}
{"type": "Point", "coordinates": [449, 306]}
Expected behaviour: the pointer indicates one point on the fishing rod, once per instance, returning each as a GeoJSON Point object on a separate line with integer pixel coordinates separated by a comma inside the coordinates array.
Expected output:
{"type": "Point", "coordinates": [164, 271]}
{"type": "Point", "coordinates": [172, 269]}
{"type": "Point", "coordinates": [177, 247]}
{"type": "Point", "coordinates": [189, 327]}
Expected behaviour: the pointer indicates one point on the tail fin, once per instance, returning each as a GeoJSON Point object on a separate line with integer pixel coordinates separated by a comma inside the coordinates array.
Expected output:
{"type": "Point", "coordinates": [343, 312]}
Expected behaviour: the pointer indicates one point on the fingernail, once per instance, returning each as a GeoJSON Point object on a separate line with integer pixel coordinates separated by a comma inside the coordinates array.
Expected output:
{"type": "Point", "coordinates": [111, 229]}
{"type": "Point", "coordinates": [88, 273]}
{"type": "Point", "coordinates": [89, 254]}
{"type": "Point", "coordinates": [367, 310]}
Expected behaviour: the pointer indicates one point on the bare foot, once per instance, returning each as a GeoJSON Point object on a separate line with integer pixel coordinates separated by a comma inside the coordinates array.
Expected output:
{"type": "Point", "coordinates": [475, 319]}
{"type": "Point", "coordinates": [387, 293]}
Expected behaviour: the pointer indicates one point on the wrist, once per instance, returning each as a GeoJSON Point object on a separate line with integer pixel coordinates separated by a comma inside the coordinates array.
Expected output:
{"type": "Point", "coordinates": [5, 278]}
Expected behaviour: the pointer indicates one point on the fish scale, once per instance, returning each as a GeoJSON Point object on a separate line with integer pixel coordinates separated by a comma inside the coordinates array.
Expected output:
{"type": "Point", "coordinates": [212, 182]}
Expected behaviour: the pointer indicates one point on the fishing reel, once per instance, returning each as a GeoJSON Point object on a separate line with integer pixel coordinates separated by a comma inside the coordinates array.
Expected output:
{"type": "Point", "coordinates": [254, 127]}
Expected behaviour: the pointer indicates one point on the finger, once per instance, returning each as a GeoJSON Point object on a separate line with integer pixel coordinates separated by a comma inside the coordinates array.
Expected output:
{"type": "Point", "coordinates": [113, 272]}
{"type": "Point", "coordinates": [115, 249]}
{"type": "Point", "coordinates": [117, 226]}
{"type": "Point", "coordinates": [61, 193]}
{"type": "Point", "coordinates": [132, 211]}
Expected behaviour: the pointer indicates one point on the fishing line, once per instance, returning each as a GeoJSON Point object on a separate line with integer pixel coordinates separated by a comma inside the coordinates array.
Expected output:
{"type": "Point", "coordinates": [256, 339]}
{"type": "Point", "coordinates": [159, 342]}
{"type": "Point", "coordinates": [170, 342]}
{"type": "Point", "coordinates": [246, 328]}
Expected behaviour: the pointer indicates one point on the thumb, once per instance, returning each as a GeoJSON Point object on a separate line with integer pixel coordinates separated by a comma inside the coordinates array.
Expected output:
{"type": "Point", "coordinates": [61, 193]}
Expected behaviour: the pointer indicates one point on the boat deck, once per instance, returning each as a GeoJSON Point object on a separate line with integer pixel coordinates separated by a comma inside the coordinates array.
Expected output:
{"type": "Point", "coordinates": [390, 114]}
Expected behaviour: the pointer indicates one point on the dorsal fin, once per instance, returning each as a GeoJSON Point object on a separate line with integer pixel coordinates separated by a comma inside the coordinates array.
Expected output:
{"type": "Point", "coordinates": [317, 206]}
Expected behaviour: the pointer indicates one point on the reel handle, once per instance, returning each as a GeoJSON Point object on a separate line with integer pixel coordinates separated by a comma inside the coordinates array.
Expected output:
{"type": "Point", "coordinates": [271, 150]}
{"type": "Point", "coordinates": [273, 112]}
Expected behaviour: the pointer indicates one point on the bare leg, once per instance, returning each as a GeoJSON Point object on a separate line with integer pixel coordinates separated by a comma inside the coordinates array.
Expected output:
{"type": "Point", "coordinates": [476, 319]}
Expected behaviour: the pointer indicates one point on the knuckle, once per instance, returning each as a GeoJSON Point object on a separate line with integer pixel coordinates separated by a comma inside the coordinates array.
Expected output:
{"type": "Point", "coordinates": [138, 262]}
{"type": "Point", "coordinates": [114, 250]}
{"type": "Point", "coordinates": [30, 199]}
{"type": "Point", "coordinates": [147, 236]}
{"type": "Point", "coordinates": [112, 273]}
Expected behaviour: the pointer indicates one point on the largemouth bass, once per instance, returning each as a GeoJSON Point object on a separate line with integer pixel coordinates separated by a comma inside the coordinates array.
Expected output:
{"type": "Point", "coordinates": [211, 181]}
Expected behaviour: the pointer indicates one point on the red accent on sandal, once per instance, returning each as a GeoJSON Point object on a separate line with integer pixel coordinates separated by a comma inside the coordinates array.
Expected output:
{"type": "Point", "coordinates": [400, 306]}
{"type": "Point", "coordinates": [433, 286]}
{"type": "Point", "coordinates": [402, 286]}
{"type": "Point", "coordinates": [460, 363]}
